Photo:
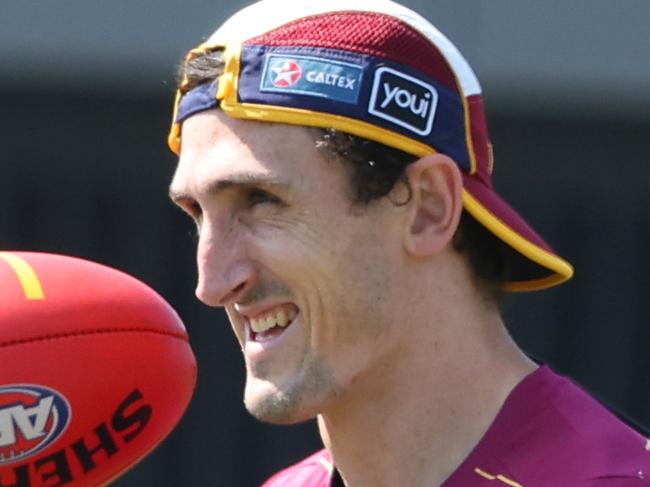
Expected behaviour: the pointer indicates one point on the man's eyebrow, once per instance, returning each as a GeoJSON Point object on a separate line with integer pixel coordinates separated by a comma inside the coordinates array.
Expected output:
{"type": "Point", "coordinates": [245, 180]}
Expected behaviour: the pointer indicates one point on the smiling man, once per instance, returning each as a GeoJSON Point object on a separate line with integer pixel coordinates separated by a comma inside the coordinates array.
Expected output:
{"type": "Point", "coordinates": [335, 158]}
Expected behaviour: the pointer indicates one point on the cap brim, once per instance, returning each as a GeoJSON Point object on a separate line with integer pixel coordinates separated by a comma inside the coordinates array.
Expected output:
{"type": "Point", "coordinates": [537, 266]}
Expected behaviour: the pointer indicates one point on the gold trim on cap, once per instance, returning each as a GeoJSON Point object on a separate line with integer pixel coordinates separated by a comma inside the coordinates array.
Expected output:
{"type": "Point", "coordinates": [563, 271]}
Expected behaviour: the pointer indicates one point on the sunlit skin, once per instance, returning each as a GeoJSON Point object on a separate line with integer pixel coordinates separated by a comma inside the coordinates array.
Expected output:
{"type": "Point", "coordinates": [391, 345]}
{"type": "Point", "coordinates": [276, 225]}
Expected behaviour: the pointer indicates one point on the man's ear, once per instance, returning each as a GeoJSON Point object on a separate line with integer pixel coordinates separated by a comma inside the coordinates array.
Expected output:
{"type": "Point", "coordinates": [436, 204]}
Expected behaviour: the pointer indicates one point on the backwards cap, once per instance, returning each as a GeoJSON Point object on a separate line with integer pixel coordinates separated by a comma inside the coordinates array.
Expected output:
{"type": "Point", "coordinates": [378, 70]}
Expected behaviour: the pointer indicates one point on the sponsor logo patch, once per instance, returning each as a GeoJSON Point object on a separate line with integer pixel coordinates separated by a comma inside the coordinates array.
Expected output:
{"type": "Point", "coordinates": [403, 100]}
{"type": "Point", "coordinates": [312, 76]}
{"type": "Point", "coordinates": [31, 418]}
{"type": "Point", "coordinates": [286, 74]}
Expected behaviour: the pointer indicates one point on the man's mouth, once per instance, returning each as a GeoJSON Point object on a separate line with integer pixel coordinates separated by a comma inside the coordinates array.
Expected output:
{"type": "Point", "coordinates": [273, 322]}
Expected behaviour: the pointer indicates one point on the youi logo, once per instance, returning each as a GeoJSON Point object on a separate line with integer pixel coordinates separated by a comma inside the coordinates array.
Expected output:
{"type": "Point", "coordinates": [403, 100]}
{"type": "Point", "coordinates": [31, 418]}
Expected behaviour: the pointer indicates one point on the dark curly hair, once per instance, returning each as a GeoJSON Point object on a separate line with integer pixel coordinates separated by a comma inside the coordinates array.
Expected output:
{"type": "Point", "coordinates": [375, 170]}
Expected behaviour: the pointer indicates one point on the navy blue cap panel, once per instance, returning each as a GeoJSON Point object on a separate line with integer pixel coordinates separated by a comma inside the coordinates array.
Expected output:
{"type": "Point", "coordinates": [357, 86]}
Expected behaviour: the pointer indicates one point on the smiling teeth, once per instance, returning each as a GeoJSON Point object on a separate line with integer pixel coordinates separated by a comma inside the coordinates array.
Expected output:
{"type": "Point", "coordinates": [264, 323]}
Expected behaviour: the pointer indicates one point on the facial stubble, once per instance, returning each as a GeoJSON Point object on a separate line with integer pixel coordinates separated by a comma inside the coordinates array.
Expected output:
{"type": "Point", "coordinates": [290, 403]}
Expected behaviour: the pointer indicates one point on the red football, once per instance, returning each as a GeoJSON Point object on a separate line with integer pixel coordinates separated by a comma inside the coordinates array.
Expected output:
{"type": "Point", "coordinates": [95, 371]}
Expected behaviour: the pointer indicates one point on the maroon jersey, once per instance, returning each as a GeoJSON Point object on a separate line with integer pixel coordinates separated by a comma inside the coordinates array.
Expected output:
{"type": "Point", "coordinates": [548, 433]}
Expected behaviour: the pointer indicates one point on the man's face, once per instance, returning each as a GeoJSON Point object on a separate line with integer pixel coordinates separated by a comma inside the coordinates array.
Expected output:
{"type": "Point", "coordinates": [305, 276]}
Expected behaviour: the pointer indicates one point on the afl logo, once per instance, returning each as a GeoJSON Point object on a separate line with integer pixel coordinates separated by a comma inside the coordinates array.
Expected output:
{"type": "Point", "coordinates": [286, 74]}
{"type": "Point", "coordinates": [31, 418]}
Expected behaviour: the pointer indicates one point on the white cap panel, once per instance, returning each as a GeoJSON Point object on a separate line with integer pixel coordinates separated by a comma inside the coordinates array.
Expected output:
{"type": "Point", "coordinates": [267, 15]}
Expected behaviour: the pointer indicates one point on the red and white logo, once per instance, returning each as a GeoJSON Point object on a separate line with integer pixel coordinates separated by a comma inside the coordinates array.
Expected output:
{"type": "Point", "coordinates": [31, 418]}
{"type": "Point", "coordinates": [286, 74]}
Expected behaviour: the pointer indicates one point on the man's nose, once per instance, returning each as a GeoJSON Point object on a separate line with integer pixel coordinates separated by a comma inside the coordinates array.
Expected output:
{"type": "Point", "coordinates": [225, 270]}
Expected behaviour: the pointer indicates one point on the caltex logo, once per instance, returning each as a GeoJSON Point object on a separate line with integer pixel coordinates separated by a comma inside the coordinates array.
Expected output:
{"type": "Point", "coordinates": [31, 418]}
{"type": "Point", "coordinates": [286, 74]}
{"type": "Point", "coordinates": [317, 76]}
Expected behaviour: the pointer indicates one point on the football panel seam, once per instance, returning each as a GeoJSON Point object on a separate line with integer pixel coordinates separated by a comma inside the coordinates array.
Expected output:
{"type": "Point", "coordinates": [83, 333]}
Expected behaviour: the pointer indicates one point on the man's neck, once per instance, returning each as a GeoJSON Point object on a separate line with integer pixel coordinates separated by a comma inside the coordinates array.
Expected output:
{"type": "Point", "coordinates": [413, 423]}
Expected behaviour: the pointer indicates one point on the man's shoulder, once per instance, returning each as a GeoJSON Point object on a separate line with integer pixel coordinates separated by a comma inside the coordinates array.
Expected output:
{"type": "Point", "coordinates": [314, 471]}
{"type": "Point", "coordinates": [550, 432]}
{"type": "Point", "coordinates": [568, 434]}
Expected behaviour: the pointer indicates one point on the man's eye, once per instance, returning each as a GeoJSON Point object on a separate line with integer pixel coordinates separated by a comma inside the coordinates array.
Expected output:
{"type": "Point", "coordinates": [259, 197]}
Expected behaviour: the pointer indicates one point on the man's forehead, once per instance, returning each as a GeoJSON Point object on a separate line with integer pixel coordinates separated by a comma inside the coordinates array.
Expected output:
{"type": "Point", "coordinates": [215, 129]}
{"type": "Point", "coordinates": [220, 152]}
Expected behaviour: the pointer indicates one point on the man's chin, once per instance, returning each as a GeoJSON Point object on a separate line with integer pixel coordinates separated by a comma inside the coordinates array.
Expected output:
{"type": "Point", "coordinates": [274, 408]}
{"type": "Point", "coordinates": [290, 401]}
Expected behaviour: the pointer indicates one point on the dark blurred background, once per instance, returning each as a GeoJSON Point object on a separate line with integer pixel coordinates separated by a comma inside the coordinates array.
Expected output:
{"type": "Point", "coordinates": [86, 90]}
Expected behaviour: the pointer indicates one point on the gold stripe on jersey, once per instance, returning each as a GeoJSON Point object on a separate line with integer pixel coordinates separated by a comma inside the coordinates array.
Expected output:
{"type": "Point", "coordinates": [499, 477]}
